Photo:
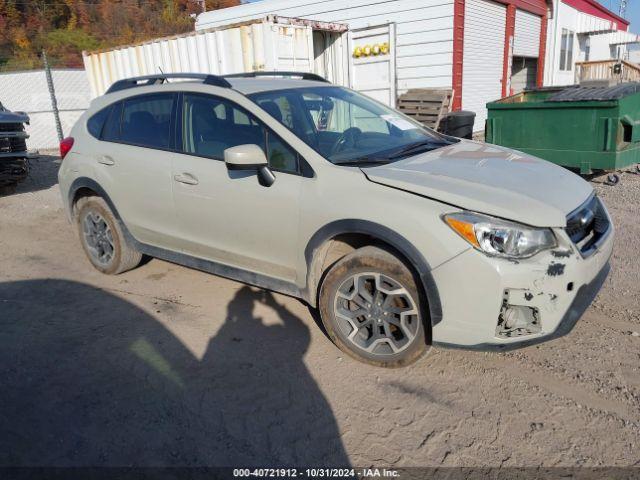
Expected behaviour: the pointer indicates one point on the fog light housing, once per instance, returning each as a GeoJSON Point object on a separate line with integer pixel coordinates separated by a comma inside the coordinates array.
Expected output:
{"type": "Point", "coordinates": [518, 321]}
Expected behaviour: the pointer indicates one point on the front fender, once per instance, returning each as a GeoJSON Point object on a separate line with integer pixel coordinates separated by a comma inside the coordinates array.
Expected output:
{"type": "Point", "coordinates": [381, 233]}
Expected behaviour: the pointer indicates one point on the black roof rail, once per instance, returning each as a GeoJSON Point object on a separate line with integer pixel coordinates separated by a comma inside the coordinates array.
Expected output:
{"type": "Point", "coordinates": [303, 75]}
{"type": "Point", "coordinates": [208, 79]}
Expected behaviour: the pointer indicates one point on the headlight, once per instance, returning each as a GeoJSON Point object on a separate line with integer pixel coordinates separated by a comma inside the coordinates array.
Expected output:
{"type": "Point", "coordinates": [500, 238]}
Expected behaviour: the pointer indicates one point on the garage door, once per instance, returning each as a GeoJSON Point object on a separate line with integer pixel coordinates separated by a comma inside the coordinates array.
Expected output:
{"type": "Point", "coordinates": [483, 56]}
{"type": "Point", "coordinates": [526, 41]}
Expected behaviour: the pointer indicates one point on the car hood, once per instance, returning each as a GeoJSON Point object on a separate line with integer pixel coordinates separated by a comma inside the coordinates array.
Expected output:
{"type": "Point", "coordinates": [13, 117]}
{"type": "Point", "coordinates": [489, 179]}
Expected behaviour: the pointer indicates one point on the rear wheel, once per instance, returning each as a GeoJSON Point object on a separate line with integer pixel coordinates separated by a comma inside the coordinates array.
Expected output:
{"type": "Point", "coordinates": [372, 310]}
{"type": "Point", "coordinates": [102, 238]}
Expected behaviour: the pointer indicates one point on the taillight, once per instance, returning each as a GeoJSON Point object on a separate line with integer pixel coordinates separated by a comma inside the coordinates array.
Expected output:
{"type": "Point", "coordinates": [65, 146]}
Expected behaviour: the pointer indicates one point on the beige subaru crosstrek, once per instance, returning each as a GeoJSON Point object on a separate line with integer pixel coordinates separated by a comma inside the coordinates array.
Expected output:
{"type": "Point", "coordinates": [400, 236]}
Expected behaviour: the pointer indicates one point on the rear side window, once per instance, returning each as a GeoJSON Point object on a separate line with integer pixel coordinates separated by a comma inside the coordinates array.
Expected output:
{"type": "Point", "coordinates": [96, 122]}
{"type": "Point", "coordinates": [146, 120]}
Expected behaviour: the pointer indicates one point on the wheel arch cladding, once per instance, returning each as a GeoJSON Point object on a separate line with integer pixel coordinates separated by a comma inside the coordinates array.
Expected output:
{"type": "Point", "coordinates": [315, 250]}
{"type": "Point", "coordinates": [84, 184]}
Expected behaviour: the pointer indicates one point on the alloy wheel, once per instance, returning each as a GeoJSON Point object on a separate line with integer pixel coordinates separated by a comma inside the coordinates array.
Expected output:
{"type": "Point", "coordinates": [98, 238]}
{"type": "Point", "coordinates": [376, 313]}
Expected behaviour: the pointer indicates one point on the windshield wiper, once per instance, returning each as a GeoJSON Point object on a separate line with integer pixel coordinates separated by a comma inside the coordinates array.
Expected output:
{"type": "Point", "coordinates": [414, 147]}
{"type": "Point", "coordinates": [363, 161]}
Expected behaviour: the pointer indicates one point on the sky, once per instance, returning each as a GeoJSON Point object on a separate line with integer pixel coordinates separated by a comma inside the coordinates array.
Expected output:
{"type": "Point", "coordinates": [633, 12]}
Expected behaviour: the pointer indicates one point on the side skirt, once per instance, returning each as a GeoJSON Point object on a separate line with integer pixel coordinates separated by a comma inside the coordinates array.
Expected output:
{"type": "Point", "coordinates": [219, 269]}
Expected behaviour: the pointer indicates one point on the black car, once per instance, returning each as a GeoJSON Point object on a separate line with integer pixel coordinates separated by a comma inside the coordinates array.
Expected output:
{"type": "Point", "coordinates": [14, 166]}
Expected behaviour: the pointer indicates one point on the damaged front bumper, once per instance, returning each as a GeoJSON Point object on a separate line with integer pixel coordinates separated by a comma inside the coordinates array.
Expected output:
{"type": "Point", "coordinates": [493, 303]}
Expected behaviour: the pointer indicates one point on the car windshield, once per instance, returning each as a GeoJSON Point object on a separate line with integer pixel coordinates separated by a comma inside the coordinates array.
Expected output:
{"type": "Point", "coordinates": [348, 128]}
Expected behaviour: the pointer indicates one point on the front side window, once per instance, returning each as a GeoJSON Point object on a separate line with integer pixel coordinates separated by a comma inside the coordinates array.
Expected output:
{"type": "Point", "coordinates": [146, 120]}
{"type": "Point", "coordinates": [211, 125]}
{"type": "Point", "coordinates": [346, 127]}
{"type": "Point", "coordinates": [566, 50]}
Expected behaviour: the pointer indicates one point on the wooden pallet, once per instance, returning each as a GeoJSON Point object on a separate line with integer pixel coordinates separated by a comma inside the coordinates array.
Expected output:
{"type": "Point", "coordinates": [426, 105]}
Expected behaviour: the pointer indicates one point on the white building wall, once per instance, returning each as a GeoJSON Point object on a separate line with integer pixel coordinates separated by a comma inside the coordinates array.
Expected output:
{"type": "Point", "coordinates": [588, 30]}
{"type": "Point", "coordinates": [565, 17]}
{"type": "Point", "coordinates": [424, 30]}
{"type": "Point", "coordinates": [634, 53]}
{"type": "Point", "coordinates": [28, 92]}
{"type": "Point", "coordinates": [600, 48]}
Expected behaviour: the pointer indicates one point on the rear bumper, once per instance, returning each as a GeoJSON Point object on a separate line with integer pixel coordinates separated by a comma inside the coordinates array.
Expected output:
{"type": "Point", "coordinates": [557, 285]}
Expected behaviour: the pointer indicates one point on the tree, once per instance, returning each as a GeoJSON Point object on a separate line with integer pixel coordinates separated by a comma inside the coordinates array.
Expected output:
{"type": "Point", "coordinates": [66, 27]}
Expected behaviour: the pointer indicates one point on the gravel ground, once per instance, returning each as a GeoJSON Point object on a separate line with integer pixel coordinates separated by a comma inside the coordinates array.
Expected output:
{"type": "Point", "coordinates": [168, 366]}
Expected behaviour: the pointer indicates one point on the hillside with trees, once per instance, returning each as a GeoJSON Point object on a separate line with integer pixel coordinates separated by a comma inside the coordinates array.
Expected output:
{"type": "Point", "coordinates": [66, 27]}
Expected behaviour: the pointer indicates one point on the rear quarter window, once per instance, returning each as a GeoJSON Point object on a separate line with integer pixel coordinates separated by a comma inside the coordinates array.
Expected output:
{"type": "Point", "coordinates": [96, 122]}
{"type": "Point", "coordinates": [111, 129]}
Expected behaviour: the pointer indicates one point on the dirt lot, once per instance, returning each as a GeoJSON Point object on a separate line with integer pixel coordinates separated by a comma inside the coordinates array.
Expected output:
{"type": "Point", "coordinates": [169, 366]}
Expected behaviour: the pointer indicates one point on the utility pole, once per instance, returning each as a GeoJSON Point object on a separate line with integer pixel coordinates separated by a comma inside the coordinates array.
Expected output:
{"type": "Point", "coordinates": [623, 8]}
{"type": "Point", "coordinates": [52, 95]}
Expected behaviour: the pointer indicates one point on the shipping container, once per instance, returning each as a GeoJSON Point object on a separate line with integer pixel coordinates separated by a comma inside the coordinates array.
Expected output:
{"type": "Point", "coordinates": [270, 44]}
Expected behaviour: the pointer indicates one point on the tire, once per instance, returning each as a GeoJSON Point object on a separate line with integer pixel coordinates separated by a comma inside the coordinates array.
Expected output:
{"type": "Point", "coordinates": [102, 238]}
{"type": "Point", "coordinates": [612, 179]}
{"type": "Point", "coordinates": [395, 343]}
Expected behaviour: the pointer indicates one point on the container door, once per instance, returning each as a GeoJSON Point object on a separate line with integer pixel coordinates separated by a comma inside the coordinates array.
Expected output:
{"type": "Point", "coordinates": [294, 48]}
{"type": "Point", "coordinates": [373, 62]}
{"type": "Point", "coordinates": [483, 57]}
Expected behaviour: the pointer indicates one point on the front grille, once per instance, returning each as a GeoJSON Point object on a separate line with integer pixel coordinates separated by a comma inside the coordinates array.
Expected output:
{"type": "Point", "coordinates": [12, 144]}
{"type": "Point", "coordinates": [11, 127]}
{"type": "Point", "coordinates": [588, 225]}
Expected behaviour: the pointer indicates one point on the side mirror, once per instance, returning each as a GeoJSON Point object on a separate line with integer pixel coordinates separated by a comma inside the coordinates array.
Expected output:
{"type": "Point", "coordinates": [250, 157]}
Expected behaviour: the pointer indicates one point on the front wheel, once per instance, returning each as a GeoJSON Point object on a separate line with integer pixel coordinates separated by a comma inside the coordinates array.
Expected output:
{"type": "Point", "coordinates": [372, 310]}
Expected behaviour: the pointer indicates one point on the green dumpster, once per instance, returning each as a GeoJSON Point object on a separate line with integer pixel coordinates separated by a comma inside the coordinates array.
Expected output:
{"type": "Point", "coordinates": [585, 128]}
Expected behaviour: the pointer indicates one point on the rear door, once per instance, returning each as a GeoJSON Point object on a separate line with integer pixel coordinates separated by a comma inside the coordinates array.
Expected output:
{"type": "Point", "coordinates": [134, 167]}
{"type": "Point", "coordinates": [227, 216]}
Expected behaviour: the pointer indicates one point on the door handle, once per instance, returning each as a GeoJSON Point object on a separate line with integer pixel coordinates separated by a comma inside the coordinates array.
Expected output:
{"type": "Point", "coordinates": [106, 160]}
{"type": "Point", "coordinates": [186, 178]}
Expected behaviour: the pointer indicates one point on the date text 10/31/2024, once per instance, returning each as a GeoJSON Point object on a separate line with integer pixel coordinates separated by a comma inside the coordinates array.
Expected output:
{"type": "Point", "coordinates": [359, 473]}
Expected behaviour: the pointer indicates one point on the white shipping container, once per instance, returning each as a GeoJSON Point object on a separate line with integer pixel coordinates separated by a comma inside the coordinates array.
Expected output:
{"type": "Point", "coordinates": [271, 44]}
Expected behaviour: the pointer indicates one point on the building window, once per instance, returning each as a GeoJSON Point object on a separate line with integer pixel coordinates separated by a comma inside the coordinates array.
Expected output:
{"type": "Point", "coordinates": [566, 50]}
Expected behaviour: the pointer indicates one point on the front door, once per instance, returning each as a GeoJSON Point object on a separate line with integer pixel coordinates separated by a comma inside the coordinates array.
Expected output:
{"type": "Point", "coordinates": [227, 216]}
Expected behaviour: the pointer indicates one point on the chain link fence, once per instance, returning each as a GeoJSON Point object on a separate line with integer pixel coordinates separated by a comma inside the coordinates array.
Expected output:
{"type": "Point", "coordinates": [28, 91]}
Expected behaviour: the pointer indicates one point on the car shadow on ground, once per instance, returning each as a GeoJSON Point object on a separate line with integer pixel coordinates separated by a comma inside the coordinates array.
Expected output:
{"type": "Point", "coordinates": [89, 379]}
